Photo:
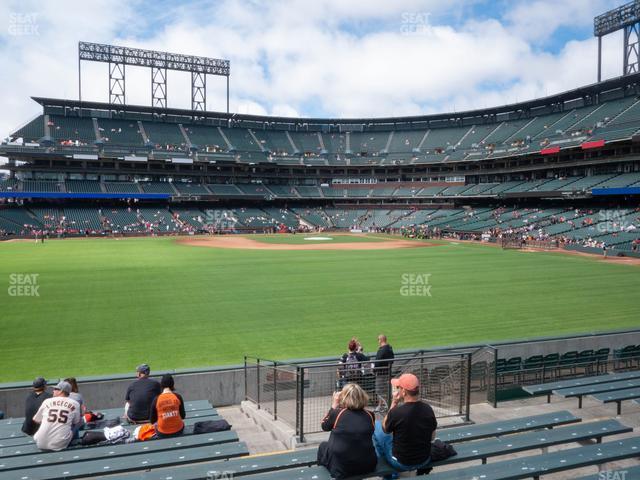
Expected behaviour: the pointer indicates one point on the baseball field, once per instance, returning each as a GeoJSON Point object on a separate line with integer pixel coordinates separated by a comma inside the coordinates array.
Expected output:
{"type": "Point", "coordinates": [98, 306]}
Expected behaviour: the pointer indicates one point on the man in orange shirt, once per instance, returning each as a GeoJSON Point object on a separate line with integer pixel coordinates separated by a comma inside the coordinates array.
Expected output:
{"type": "Point", "coordinates": [167, 410]}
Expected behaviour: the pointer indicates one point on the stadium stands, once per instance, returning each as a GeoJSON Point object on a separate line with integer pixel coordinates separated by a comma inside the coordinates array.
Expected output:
{"type": "Point", "coordinates": [40, 186]}
{"type": "Point", "coordinates": [158, 187]}
{"type": "Point", "coordinates": [69, 129]}
{"type": "Point", "coordinates": [83, 186]}
{"type": "Point", "coordinates": [32, 132]}
{"type": "Point", "coordinates": [225, 190]}
{"type": "Point", "coordinates": [617, 228]}
{"type": "Point", "coordinates": [207, 138]}
{"type": "Point", "coordinates": [165, 136]}
{"type": "Point", "coordinates": [120, 132]}
{"type": "Point", "coordinates": [282, 191]}
{"type": "Point", "coordinates": [82, 220]}
{"type": "Point", "coordinates": [472, 442]}
{"type": "Point", "coordinates": [187, 188]}
{"type": "Point", "coordinates": [121, 187]}
{"type": "Point", "coordinates": [512, 189]}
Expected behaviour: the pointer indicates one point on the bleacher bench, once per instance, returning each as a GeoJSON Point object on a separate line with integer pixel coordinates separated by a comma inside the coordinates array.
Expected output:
{"type": "Point", "coordinates": [548, 388]}
{"type": "Point", "coordinates": [278, 462]}
{"type": "Point", "coordinates": [618, 397]}
{"type": "Point", "coordinates": [32, 457]}
{"type": "Point", "coordinates": [476, 450]}
{"type": "Point", "coordinates": [143, 461]}
{"type": "Point", "coordinates": [624, 473]}
{"type": "Point", "coordinates": [284, 465]}
{"type": "Point", "coordinates": [538, 465]}
{"type": "Point", "coordinates": [580, 392]}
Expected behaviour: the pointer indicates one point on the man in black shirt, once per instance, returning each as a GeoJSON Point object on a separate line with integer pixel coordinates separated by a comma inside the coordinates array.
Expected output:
{"type": "Point", "coordinates": [382, 370]}
{"type": "Point", "coordinates": [140, 394]}
{"type": "Point", "coordinates": [32, 404]}
{"type": "Point", "coordinates": [404, 437]}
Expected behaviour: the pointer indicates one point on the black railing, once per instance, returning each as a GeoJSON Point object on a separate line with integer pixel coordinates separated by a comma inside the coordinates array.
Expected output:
{"type": "Point", "coordinates": [300, 394]}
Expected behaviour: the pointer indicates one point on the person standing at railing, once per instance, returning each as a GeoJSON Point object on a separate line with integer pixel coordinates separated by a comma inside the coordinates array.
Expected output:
{"type": "Point", "coordinates": [350, 366]}
{"type": "Point", "coordinates": [382, 370]}
{"type": "Point", "coordinates": [350, 449]}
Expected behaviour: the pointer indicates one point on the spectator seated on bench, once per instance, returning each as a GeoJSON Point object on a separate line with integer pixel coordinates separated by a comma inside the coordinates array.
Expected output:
{"type": "Point", "coordinates": [404, 437]}
{"type": "Point", "coordinates": [167, 410]}
{"type": "Point", "coordinates": [349, 450]}
{"type": "Point", "coordinates": [32, 403]}
{"type": "Point", "coordinates": [140, 394]}
{"type": "Point", "coordinates": [59, 418]}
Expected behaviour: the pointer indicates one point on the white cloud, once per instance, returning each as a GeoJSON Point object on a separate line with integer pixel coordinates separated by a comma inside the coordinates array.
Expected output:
{"type": "Point", "coordinates": [539, 19]}
{"type": "Point", "coordinates": [297, 58]}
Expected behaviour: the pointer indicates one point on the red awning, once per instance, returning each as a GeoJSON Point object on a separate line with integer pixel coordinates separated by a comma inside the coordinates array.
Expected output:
{"type": "Point", "coordinates": [594, 144]}
{"type": "Point", "coordinates": [550, 150]}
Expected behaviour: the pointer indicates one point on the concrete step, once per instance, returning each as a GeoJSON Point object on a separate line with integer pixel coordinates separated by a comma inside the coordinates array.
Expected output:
{"type": "Point", "coordinates": [270, 446]}
{"type": "Point", "coordinates": [258, 440]}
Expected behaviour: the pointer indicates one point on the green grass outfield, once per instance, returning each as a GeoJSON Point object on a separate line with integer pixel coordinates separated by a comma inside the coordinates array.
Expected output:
{"type": "Point", "coordinates": [105, 306]}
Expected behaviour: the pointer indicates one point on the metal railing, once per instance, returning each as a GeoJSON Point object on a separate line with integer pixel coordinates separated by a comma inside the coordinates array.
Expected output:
{"type": "Point", "coordinates": [300, 394]}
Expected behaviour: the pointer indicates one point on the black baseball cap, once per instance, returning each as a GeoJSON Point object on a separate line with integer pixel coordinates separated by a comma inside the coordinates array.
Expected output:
{"type": "Point", "coordinates": [144, 369]}
{"type": "Point", "coordinates": [39, 383]}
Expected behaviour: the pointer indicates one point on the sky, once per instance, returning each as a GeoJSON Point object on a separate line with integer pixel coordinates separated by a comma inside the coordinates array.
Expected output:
{"type": "Point", "coordinates": [318, 58]}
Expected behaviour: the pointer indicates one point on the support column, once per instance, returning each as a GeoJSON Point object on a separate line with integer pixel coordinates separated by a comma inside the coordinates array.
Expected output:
{"type": "Point", "coordinates": [198, 91]}
{"type": "Point", "coordinates": [159, 87]}
{"type": "Point", "coordinates": [116, 83]}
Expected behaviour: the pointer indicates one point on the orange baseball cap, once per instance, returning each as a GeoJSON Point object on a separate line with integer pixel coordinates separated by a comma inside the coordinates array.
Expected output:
{"type": "Point", "coordinates": [408, 381]}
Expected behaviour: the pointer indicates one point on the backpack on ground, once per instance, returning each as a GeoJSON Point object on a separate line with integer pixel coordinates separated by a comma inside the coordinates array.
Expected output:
{"type": "Point", "coordinates": [209, 426]}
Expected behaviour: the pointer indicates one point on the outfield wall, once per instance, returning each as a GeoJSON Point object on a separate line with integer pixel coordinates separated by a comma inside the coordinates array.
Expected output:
{"type": "Point", "coordinates": [223, 386]}
{"type": "Point", "coordinates": [226, 385]}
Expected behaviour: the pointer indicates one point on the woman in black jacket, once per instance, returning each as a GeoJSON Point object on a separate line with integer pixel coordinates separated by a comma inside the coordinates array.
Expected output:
{"type": "Point", "coordinates": [350, 449]}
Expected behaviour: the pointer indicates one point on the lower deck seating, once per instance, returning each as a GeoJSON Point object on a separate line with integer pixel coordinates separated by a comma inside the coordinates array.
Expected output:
{"type": "Point", "coordinates": [143, 461]}
{"type": "Point", "coordinates": [472, 443]}
{"type": "Point", "coordinates": [618, 229]}
{"type": "Point", "coordinates": [26, 462]}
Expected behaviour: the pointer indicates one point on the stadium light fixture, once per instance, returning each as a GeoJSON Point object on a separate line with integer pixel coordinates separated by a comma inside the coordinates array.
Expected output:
{"type": "Point", "coordinates": [159, 62]}
{"type": "Point", "coordinates": [625, 17]}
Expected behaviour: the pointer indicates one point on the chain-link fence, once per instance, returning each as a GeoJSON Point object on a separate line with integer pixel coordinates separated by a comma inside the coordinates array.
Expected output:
{"type": "Point", "coordinates": [301, 394]}
{"type": "Point", "coordinates": [272, 386]}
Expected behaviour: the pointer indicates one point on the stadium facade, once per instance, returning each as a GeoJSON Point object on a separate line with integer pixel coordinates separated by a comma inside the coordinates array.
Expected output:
{"type": "Point", "coordinates": [560, 166]}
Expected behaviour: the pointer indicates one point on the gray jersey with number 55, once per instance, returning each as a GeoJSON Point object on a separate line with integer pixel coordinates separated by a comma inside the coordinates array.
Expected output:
{"type": "Point", "coordinates": [57, 417]}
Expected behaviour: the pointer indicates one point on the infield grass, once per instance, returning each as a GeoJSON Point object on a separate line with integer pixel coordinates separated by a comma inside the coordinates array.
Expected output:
{"type": "Point", "coordinates": [105, 306]}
